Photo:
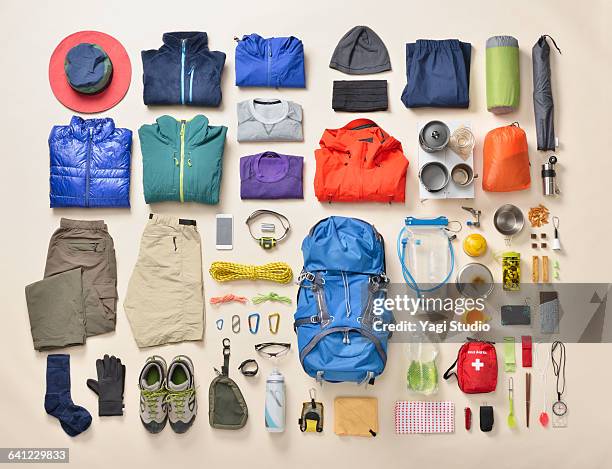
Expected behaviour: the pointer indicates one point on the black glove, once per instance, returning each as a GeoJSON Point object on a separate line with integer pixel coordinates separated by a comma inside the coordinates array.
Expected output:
{"type": "Point", "coordinates": [110, 385]}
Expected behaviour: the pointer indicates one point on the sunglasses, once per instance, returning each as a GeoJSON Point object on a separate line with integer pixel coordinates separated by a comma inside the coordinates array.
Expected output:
{"type": "Point", "coordinates": [273, 349]}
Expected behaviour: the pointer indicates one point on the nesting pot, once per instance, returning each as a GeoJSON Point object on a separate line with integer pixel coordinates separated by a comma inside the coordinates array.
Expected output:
{"type": "Point", "coordinates": [434, 136]}
{"type": "Point", "coordinates": [434, 176]}
{"type": "Point", "coordinates": [462, 174]}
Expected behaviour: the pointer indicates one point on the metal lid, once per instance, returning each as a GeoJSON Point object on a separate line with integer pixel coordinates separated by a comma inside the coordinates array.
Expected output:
{"type": "Point", "coordinates": [434, 136]}
{"type": "Point", "coordinates": [474, 280]}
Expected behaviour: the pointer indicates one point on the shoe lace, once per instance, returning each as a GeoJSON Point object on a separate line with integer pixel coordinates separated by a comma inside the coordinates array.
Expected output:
{"type": "Point", "coordinates": [177, 400]}
{"type": "Point", "coordinates": [151, 399]}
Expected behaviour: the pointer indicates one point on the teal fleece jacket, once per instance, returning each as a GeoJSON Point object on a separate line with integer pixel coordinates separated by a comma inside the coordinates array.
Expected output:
{"type": "Point", "coordinates": [182, 160]}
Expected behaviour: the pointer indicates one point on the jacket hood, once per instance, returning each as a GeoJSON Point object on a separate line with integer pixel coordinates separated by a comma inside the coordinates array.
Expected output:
{"type": "Point", "coordinates": [258, 46]}
{"type": "Point", "coordinates": [365, 130]}
{"type": "Point", "coordinates": [194, 40]}
{"type": "Point", "coordinates": [197, 130]}
{"type": "Point", "coordinates": [99, 129]}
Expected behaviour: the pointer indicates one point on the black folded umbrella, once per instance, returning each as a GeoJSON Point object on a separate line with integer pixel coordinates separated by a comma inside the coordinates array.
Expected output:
{"type": "Point", "coordinates": [542, 93]}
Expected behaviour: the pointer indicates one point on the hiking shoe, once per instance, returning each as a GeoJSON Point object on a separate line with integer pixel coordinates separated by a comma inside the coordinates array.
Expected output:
{"type": "Point", "coordinates": [181, 397]}
{"type": "Point", "coordinates": [152, 384]}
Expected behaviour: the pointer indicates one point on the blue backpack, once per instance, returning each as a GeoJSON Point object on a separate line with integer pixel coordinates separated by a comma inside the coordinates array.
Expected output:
{"type": "Point", "coordinates": [341, 337]}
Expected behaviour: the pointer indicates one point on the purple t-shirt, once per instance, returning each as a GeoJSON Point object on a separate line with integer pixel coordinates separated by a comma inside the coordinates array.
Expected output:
{"type": "Point", "coordinates": [270, 175]}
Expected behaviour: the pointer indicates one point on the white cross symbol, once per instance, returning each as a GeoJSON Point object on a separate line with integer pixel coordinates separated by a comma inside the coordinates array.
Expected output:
{"type": "Point", "coordinates": [477, 364]}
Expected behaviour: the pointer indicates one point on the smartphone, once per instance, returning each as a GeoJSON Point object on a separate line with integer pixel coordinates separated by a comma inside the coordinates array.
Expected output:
{"type": "Point", "coordinates": [225, 231]}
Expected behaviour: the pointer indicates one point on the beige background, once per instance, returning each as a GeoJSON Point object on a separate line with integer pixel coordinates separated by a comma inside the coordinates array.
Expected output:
{"type": "Point", "coordinates": [581, 82]}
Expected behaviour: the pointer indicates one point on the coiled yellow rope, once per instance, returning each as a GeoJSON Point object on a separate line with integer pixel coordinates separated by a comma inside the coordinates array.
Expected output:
{"type": "Point", "coordinates": [279, 272]}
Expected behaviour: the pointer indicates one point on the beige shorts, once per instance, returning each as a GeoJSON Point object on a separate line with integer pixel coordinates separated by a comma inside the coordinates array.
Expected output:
{"type": "Point", "coordinates": [165, 295]}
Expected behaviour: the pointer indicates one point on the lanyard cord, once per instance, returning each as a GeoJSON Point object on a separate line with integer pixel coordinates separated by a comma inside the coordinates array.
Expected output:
{"type": "Point", "coordinates": [272, 296]}
{"type": "Point", "coordinates": [553, 41]}
{"type": "Point", "coordinates": [558, 366]}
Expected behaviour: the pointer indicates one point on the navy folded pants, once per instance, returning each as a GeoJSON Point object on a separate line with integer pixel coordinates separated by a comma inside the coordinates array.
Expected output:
{"type": "Point", "coordinates": [438, 74]}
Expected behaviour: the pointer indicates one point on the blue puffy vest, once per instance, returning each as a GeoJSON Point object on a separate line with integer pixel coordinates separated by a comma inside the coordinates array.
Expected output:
{"type": "Point", "coordinates": [341, 336]}
{"type": "Point", "coordinates": [90, 164]}
{"type": "Point", "coordinates": [276, 62]}
{"type": "Point", "coordinates": [183, 71]}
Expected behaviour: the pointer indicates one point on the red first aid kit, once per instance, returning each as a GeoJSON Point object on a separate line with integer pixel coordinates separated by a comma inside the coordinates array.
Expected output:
{"type": "Point", "coordinates": [476, 367]}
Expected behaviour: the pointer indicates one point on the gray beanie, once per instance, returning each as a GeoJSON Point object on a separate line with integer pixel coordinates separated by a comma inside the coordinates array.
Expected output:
{"type": "Point", "coordinates": [359, 52]}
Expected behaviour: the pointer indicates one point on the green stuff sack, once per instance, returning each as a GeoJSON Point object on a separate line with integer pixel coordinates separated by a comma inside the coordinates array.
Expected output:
{"type": "Point", "coordinates": [422, 374]}
{"type": "Point", "coordinates": [422, 377]}
{"type": "Point", "coordinates": [503, 74]}
{"type": "Point", "coordinates": [227, 408]}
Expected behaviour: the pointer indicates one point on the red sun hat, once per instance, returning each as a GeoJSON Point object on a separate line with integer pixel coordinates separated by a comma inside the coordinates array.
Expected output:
{"type": "Point", "coordinates": [111, 94]}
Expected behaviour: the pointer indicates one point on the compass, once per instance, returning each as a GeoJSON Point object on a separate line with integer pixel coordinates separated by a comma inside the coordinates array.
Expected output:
{"type": "Point", "coordinates": [559, 408]}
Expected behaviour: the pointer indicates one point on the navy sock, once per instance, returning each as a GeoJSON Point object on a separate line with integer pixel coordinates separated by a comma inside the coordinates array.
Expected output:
{"type": "Point", "coordinates": [58, 402]}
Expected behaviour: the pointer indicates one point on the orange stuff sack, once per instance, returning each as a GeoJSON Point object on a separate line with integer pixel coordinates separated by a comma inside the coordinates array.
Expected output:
{"type": "Point", "coordinates": [506, 160]}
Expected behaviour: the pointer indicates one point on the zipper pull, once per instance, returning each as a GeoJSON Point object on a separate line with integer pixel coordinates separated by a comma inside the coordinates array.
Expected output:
{"type": "Point", "coordinates": [174, 241]}
{"type": "Point", "coordinates": [346, 340]}
{"type": "Point", "coordinates": [189, 162]}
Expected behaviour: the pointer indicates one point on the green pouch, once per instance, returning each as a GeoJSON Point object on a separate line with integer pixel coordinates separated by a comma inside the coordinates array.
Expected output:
{"type": "Point", "coordinates": [227, 408]}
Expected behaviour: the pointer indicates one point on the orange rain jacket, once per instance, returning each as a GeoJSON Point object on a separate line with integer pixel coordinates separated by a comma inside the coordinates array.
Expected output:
{"type": "Point", "coordinates": [360, 162]}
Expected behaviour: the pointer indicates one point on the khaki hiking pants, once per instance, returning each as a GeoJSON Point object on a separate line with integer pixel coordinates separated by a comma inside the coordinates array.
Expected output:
{"type": "Point", "coordinates": [78, 294]}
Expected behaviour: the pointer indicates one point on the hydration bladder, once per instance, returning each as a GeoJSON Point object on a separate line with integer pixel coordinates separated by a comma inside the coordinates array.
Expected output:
{"type": "Point", "coordinates": [425, 251]}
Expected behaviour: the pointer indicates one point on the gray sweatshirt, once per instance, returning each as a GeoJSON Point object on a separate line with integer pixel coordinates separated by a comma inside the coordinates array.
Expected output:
{"type": "Point", "coordinates": [269, 120]}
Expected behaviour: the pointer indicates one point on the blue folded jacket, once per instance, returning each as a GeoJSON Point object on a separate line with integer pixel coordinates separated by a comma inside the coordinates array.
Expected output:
{"type": "Point", "coordinates": [438, 74]}
{"type": "Point", "coordinates": [90, 164]}
{"type": "Point", "coordinates": [276, 62]}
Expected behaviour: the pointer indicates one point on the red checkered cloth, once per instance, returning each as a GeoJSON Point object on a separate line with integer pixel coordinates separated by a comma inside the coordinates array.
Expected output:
{"type": "Point", "coordinates": [424, 417]}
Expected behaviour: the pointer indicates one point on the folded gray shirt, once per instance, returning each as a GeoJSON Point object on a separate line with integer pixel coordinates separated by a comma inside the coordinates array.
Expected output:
{"type": "Point", "coordinates": [269, 120]}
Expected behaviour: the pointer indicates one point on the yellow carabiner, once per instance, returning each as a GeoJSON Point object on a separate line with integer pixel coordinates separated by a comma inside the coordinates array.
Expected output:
{"type": "Point", "coordinates": [273, 322]}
